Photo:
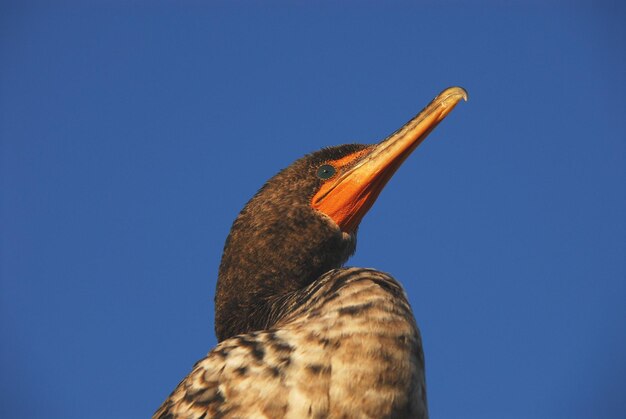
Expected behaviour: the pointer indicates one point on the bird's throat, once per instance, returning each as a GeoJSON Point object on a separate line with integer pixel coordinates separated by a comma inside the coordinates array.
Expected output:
{"type": "Point", "coordinates": [262, 266]}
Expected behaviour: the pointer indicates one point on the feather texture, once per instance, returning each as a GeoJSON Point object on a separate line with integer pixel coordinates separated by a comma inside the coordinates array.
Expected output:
{"type": "Point", "coordinates": [345, 346]}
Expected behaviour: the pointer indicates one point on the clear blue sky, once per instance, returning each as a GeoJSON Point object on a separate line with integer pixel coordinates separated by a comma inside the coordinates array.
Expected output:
{"type": "Point", "coordinates": [132, 134]}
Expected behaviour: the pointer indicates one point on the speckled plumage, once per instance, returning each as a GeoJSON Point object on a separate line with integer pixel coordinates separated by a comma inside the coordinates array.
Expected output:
{"type": "Point", "coordinates": [348, 347]}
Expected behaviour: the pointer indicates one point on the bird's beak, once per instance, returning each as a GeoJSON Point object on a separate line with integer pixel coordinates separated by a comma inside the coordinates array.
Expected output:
{"type": "Point", "coordinates": [350, 194]}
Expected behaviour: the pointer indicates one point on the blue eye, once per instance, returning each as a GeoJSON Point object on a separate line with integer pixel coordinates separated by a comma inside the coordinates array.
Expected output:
{"type": "Point", "coordinates": [326, 171]}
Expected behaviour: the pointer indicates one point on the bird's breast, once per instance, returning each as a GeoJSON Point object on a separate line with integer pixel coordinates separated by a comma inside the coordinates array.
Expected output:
{"type": "Point", "coordinates": [360, 346]}
{"type": "Point", "coordinates": [347, 346]}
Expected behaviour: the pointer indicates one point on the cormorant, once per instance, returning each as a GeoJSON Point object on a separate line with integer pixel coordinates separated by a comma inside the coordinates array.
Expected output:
{"type": "Point", "coordinates": [299, 335]}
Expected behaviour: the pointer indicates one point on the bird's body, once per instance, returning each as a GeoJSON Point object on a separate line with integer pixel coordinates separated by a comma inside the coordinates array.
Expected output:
{"type": "Point", "coordinates": [350, 348]}
{"type": "Point", "coordinates": [299, 336]}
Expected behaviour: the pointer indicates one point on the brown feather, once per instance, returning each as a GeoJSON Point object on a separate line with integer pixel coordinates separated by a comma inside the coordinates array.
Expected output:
{"type": "Point", "coordinates": [349, 349]}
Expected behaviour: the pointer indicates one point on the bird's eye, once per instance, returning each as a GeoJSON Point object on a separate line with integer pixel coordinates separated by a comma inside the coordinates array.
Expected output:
{"type": "Point", "coordinates": [325, 171]}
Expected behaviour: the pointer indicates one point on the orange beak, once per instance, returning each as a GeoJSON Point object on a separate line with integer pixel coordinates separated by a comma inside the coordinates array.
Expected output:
{"type": "Point", "coordinates": [347, 196]}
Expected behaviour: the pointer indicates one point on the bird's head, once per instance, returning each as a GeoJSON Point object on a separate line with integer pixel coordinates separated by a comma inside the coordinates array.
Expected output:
{"type": "Point", "coordinates": [303, 221]}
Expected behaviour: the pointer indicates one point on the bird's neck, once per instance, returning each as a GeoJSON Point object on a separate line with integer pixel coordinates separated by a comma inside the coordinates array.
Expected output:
{"type": "Point", "coordinates": [265, 262]}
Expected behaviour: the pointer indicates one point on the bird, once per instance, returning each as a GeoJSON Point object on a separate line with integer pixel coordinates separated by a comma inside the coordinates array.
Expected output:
{"type": "Point", "coordinates": [299, 334]}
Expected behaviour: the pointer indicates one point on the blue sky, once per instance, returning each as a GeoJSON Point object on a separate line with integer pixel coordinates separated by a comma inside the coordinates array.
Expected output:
{"type": "Point", "coordinates": [132, 134]}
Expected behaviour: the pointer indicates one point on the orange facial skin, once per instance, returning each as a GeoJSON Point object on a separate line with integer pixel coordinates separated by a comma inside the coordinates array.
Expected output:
{"type": "Point", "coordinates": [347, 196]}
